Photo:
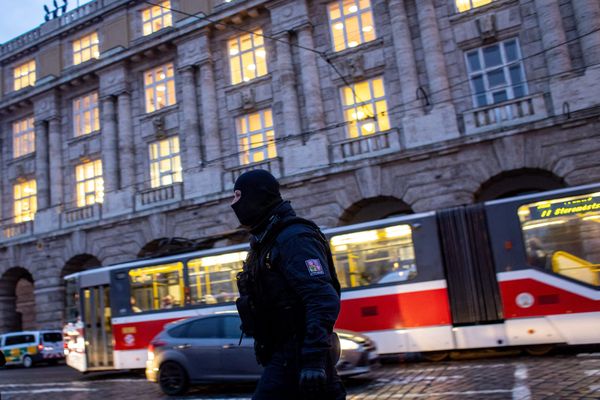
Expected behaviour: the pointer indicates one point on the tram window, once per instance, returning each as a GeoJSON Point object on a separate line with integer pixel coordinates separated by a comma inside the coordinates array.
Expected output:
{"type": "Point", "coordinates": [376, 256]}
{"type": "Point", "coordinates": [157, 287]}
{"type": "Point", "coordinates": [212, 279]}
{"type": "Point", "coordinates": [563, 236]}
{"type": "Point", "coordinates": [71, 301]}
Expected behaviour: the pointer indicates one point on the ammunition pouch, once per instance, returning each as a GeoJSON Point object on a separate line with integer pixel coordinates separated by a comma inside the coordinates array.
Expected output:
{"type": "Point", "coordinates": [246, 312]}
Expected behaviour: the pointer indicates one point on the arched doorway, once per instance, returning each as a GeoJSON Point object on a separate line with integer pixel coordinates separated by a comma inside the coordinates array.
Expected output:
{"type": "Point", "coordinates": [373, 209]}
{"type": "Point", "coordinates": [17, 300]}
{"type": "Point", "coordinates": [78, 263]}
{"type": "Point", "coordinates": [517, 182]}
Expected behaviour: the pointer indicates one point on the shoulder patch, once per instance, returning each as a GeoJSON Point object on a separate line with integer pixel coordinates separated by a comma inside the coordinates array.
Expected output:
{"type": "Point", "coordinates": [314, 267]}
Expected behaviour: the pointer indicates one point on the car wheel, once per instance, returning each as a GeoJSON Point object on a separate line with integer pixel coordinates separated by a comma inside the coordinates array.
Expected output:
{"type": "Point", "coordinates": [172, 379]}
{"type": "Point", "coordinates": [27, 362]}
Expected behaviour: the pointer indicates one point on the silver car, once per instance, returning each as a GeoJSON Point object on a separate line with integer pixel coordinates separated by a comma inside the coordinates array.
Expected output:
{"type": "Point", "coordinates": [205, 349]}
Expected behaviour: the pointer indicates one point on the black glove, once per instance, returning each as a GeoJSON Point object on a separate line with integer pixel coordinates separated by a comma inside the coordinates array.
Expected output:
{"type": "Point", "coordinates": [312, 380]}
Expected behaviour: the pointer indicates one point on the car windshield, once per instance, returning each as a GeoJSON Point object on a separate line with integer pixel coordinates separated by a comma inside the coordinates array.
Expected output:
{"type": "Point", "coordinates": [52, 337]}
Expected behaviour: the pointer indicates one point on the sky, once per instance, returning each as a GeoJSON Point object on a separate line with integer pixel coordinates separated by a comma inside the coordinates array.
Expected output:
{"type": "Point", "coordinates": [20, 16]}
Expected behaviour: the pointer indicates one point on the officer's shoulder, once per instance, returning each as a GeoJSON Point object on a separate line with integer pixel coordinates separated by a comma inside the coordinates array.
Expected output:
{"type": "Point", "coordinates": [295, 229]}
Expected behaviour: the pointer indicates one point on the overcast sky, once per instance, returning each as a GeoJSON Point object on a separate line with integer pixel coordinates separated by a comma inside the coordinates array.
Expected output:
{"type": "Point", "coordinates": [20, 16]}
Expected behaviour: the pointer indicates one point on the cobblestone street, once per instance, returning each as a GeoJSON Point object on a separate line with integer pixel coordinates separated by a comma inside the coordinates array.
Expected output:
{"type": "Point", "coordinates": [562, 376]}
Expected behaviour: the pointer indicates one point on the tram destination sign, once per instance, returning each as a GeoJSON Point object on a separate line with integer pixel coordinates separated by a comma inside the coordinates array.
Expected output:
{"type": "Point", "coordinates": [565, 208]}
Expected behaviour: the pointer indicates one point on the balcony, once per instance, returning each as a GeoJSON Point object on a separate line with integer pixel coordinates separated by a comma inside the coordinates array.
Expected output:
{"type": "Point", "coordinates": [158, 196]}
{"type": "Point", "coordinates": [365, 146]}
{"type": "Point", "coordinates": [506, 114]}
{"type": "Point", "coordinates": [80, 215]}
{"type": "Point", "coordinates": [273, 165]}
{"type": "Point", "coordinates": [20, 41]}
{"type": "Point", "coordinates": [10, 231]}
{"type": "Point", "coordinates": [80, 12]}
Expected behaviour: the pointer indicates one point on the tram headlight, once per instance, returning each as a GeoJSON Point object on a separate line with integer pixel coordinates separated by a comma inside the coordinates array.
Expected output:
{"type": "Point", "coordinates": [346, 344]}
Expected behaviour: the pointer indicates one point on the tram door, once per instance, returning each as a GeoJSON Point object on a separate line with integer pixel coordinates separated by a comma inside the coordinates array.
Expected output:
{"type": "Point", "coordinates": [98, 327]}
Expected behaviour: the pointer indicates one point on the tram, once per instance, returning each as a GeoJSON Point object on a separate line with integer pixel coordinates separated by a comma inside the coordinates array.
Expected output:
{"type": "Point", "coordinates": [521, 271]}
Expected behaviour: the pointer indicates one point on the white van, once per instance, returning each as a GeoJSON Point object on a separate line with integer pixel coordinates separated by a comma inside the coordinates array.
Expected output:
{"type": "Point", "coordinates": [30, 347]}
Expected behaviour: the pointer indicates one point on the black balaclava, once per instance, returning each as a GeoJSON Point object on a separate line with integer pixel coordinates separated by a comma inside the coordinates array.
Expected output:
{"type": "Point", "coordinates": [260, 195]}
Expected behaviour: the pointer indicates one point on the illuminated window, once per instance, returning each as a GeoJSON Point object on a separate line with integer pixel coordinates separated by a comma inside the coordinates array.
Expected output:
{"type": "Point", "coordinates": [86, 48]}
{"type": "Point", "coordinates": [466, 5]}
{"type": "Point", "coordinates": [86, 114]}
{"type": "Point", "coordinates": [496, 73]}
{"type": "Point", "coordinates": [157, 287]}
{"type": "Point", "coordinates": [256, 137]}
{"type": "Point", "coordinates": [90, 184]}
{"type": "Point", "coordinates": [24, 75]}
{"type": "Point", "coordinates": [213, 278]}
{"type": "Point", "coordinates": [562, 235]}
{"type": "Point", "coordinates": [25, 201]}
{"type": "Point", "coordinates": [247, 57]}
{"type": "Point", "coordinates": [157, 17]}
{"type": "Point", "coordinates": [165, 162]}
{"type": "Point", "coordinates": [351, 23]}
{"type": "Point", "coordinates": [376, 256]}
{"type": "Point", "coordinates": [365, 108]}
{"type": "Point", "coordinates": [159, 84]}
{"type": "Point", "coordinates": [23, 137]}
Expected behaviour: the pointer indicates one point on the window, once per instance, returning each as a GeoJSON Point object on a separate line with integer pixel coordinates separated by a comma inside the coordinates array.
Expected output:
{"type": "Point", "coordinates": [231, 327]}
{"type": "Point", "coordinates": [23, 137]}
{"type": "Point", "coordinates": [382, 255]}
{"type": "Point", "coordinates": [90, 184]}
{"type": "Point", "coordinates": [206, 328]}
{"type": "Point", "coordinates": [159, 84]}
{"type": "Point", "coordinates": [465, 5]}
{"type": "Point", "coordinates": [86, 114]}
{"type": "Point", "coordinates": [24, 75]}
{"type": "Point", "coordinates": [247, 57]}
{"type": "Point", "coordinates": [561, 236]}
{"type": "Point", "coordinates": [213, 279]}
{"type": "Point", "coordinates": [256, 137]}
{"type": "Point", "coordinates": [165, 162]}
{"type": "Point", "coordinates": [365, 108]}
{"type": "Point", "coordinates": [25, 201]}
{"type": "Point", "coordinates": [86, 48]}
{"type": "Point", "coordinates": [52, 337]}
{"type": "Point", "coordinates": [496, 73]}
{"type": "Point", "coordinates": [351, 23]}
{"type": "Point", "coordinates": [157, 17]}
{"type": "Point", "coordinates": [21, 339]}
{"type": "Point", "coordinates": [157, 287]}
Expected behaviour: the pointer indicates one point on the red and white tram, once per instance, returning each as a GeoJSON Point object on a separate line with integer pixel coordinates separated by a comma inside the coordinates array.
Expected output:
{"type": "Point", "coordinates": [522, 271]}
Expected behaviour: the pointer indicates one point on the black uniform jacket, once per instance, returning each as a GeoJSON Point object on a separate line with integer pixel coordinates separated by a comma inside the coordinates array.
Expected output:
{"type": "Point", "coordinates": [299, 288]}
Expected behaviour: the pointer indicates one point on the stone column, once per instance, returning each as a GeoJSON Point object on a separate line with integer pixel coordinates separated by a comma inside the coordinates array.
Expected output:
{"type": "Point", "coordinates": [587, 14]}
{"type": "Point", "coordinates": [210, 112]}
{"type": "Point", "coordinates": [553, 33]}
{"type": "Point", "coordinates": [110, 149]}
{"type": "Point", "coordinates": [126, 147]}
{"type": "Point", "coordinates": [310, 79]}
{"type": "Point", "coordinates": [287, 86]}
{"type": "Point", "coordinates": [41, 165]}
{"type": "Point", "coordinates": [191, 127]}
{"type": "Point", "coordinates": [434, 56]}
{"type": "Point", "coordinates": [50, 304]}
{"type": "Point", "coordinates": [55, 162]}
{"type": "Point", "coordinates": [405, 56]}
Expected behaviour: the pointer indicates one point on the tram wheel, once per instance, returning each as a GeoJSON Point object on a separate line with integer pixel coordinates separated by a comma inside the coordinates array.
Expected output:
{"type": "Point", "coordinates": [27, 362]}
{"type": "Point", "coordinates": [435, 356]}
{"type": "Point", "coordinates": [172, 379]}
{"type": "Point", "coordinates": [539, 350]}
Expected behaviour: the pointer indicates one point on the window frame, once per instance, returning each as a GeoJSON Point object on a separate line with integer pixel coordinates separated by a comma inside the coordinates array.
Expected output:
{"type": "Point", "coordinates": [30, 200]}
{"type": "Point", "coordinates": [381, 124]}
{"type": "Point", "coordinates": [30, 76]}
{"type": "Point", "coordinates": [471, 6]}
{"type": "Point", "coordinates": [165, 13]}
{"type": "Point", "coordinates": [267, 147]}
{"type": "Point", "coordinates": [505, 66]}
{"type": "Point", "coordinates": [152, 86]}
{"type": "Point", "coordinates": [153, 269]}
{"type": "Point", "coordinates": [97, 181]}
{"type": "Point", "coordinates": [93, 48]}
{"type": "Point", "coordinates": [23, 138]}
{"type": "Point", "coordinates": [79, 112]}
{"type": "Point", "coordinates": [176, 174]}
{"type": "Point", "coordinates": [237, 75]}
{"type": "Point", "coordinates": [342, 19]}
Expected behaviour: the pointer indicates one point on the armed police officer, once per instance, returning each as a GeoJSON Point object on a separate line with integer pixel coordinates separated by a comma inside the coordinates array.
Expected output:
{"type": "Point", "coordinates": [289, 295]}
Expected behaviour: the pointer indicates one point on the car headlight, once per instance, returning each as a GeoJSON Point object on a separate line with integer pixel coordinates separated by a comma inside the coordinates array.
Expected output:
{"type": "Point", "coordinates": [346, 344]}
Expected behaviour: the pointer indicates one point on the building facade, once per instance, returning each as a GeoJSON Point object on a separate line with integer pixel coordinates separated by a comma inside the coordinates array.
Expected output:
{"type": "Point", "coordinates": [126, 121]}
